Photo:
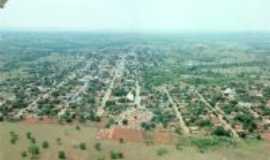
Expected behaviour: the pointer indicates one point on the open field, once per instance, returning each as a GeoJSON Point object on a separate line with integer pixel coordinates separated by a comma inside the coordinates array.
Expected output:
{"type": "Point", "coordinates": [71, 138]}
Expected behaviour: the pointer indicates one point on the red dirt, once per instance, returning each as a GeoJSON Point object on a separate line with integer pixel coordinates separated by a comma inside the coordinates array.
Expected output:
{"type": "Point", "coordinates": [134, 135]}
{"type": "Point", "coordinates": [35, 120]}
{"type": "Point", "coordinates": [130, 135]}
{"type": "Point", "coordinates": [162, 137]}
{"type": "Point", "coordinates": [266, 136]}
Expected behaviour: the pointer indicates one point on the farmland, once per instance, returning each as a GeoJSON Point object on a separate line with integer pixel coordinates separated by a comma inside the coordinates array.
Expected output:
{"type": "Point", "coordinates": [159, 95]}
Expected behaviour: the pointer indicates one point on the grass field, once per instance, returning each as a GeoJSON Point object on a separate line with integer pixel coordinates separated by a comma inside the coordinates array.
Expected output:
{"type": "Point", "coordinates": [72, 137]}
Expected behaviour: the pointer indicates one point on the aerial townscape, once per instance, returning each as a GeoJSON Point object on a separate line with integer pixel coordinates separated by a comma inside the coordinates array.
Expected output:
{"type": "Point", "coordinates": [134, 80]}
{"type": "Point", "coordinates": [134, 96]}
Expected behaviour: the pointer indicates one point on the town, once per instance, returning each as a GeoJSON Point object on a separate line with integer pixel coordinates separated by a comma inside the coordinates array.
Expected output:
{"type": "Point", "coordinates": [139, 88]}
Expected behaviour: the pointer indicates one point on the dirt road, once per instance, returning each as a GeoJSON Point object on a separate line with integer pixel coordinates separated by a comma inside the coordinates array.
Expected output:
{"type": "Point", "coordinates": [182, 123]}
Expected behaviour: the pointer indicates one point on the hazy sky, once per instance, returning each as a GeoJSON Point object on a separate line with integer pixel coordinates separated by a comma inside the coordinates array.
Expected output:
{"type": "Point", "coordinates": [138, 15]}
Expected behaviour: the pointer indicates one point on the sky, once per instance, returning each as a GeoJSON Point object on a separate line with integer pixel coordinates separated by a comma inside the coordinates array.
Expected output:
{"type": "Point", "coordinates": [138, 15]}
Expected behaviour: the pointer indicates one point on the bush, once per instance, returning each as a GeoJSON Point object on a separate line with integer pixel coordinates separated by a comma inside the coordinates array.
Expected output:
{"type": "Point", "coordinates": [121, 140]}
{"type": "Point", "coordinates": [61, 155]}
{"type": "Point", "coordinates": [98, 146]}
{"type": "Point", "coordinates": [78, 128]}
{"type": "Point", "coordinates": [116, 155]}
{"type": "Point", "coordinates": [33, 140]}
{"type": "Point", "coordinates": [125, 122]}
{"type": "Point", "coordinates": [59, 141]}
{"type": "Point", "coordinates": [14, 137]}
{"type": "Point", "coordinates": [205, 123]}
{"type": "Point", "coordinates": [247, 120]}
{"type": "Point", "coordinates": [24, 154]}
{"type": "Point", "coordinates": [45, 144]}
{"type": "Point", "coordinates": [33, 149]}
{"type": "Point", "coordinates": [179, 147]}
{"type": "Point", "coordinates": [82, 146]}
{"type": "Point", "coordinates": [162, 152]}
{"type": "Point", "coordinates": [28, 135]}
{"type": "Point", "coordinates": [220, 131]}
{"type": "Point", "coordinates": [204, 144]}
{"type": "Point", "coordinates": [101, 158]}
{"type": "Point", "coordinates": [148, 125]}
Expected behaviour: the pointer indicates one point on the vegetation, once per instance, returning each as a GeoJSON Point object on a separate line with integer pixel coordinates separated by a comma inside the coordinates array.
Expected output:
{"type": "Point", "coordinates": [13, 137]}
{"type": "Point", "coordinates": [116, 155]}
{"type": "Point", "coordinates": [61, 155]}
{"type": "Point", "coordinates": [98, 146]}
{"type": "Point", "coordinates": [82, 146]}
{"type": "Point", "coordinates": [45, 144]}
{"type": "Point", "coordinates": [162, 152]}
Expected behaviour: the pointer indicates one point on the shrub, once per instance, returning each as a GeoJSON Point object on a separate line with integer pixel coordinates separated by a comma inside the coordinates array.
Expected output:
{"type": "Point", "coordinates": [59, 141]}
{"type": "Point", "coordinates": [179, 147]}
{"type": "Point", "coordinates": [24, 154]}
{"type": "Point", "coordinates": [162, 152]}
{"type": "Point", "coordinates": [33, 140]}
{"type": "Point", "coordinates": [204, 144]}
{"type": "Point", "coordinates": [220, 131]}
{"type": "Point", "coordinates": [82, 146]}
{"type": "Point", "coordinates": [61, 155]}
{"type": "Point", "coordinates": [98, 146]}
{"type": "Point", "coordinates": [101, 158]}
{"type": "Point", "coordinates": [247, 120]}
{"type": "Point", "coordinates": [78, 128]}
{"type": "Point", "coordinates": [45, 144]}
{"type": "Point", "coordinates": [116, 155]}
{"type": "Point", "coordinates": [125, 122]}
{"type": "Point", "coordinates": [121, 140]}
{"type": "Point", "coordinates": [28, 135]}
{"type": "Point", "coordinates": [33, 149]}
{"type": "Point", "coordinates": [14, 137]}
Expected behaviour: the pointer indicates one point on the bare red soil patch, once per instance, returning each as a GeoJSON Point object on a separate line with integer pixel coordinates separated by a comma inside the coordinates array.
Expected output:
{"type": "Point", "coordinates": [134, 135]}
{"type": "Point", "coordinates": [163, 137]}
{"type": "Point", "coordinates": [266, 136]}
{"type": "Point", "coordinates": [129, 135]}
{"type": "Point", "coordinates": [39, 120]}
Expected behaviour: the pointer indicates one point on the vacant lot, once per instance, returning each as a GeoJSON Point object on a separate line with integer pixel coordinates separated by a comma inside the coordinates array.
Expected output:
{"type": "Point", "coordinates": [68, 138]}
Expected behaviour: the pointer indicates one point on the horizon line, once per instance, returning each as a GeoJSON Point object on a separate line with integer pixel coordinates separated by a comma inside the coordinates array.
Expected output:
{"type": "Point", "coordinates": [158, 31]}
